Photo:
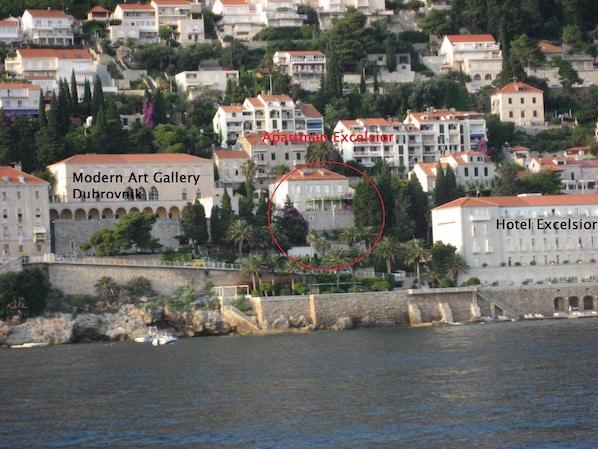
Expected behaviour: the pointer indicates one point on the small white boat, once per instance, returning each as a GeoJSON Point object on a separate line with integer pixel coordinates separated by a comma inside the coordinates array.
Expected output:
{"type": "Point", "coordinates": [163, 338]}
{"type": "Point", "coordinates": [151, 334]}
{"type": "Point", "coordinates": [33, 344]}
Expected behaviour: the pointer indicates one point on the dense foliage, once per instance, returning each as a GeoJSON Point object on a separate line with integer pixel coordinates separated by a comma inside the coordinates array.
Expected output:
{"type": "Point", "coordinates": [23, 293]}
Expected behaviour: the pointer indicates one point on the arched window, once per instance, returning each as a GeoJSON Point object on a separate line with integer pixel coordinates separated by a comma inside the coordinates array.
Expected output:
{"type": "Point", "coordinates": [198, 193]}
{"type": "Point", "coordinates": [184, 195]}
{"type": "Point", "coordinates": [129, 194]}
{"type": "Point", "coordinates": [488, 77]}
{"type": "Point", "coordinates": [141, 194]}
{"type": "Point", "coordinates": [477, 77]}
{"type": "Point", "coordinates": [153, 195]}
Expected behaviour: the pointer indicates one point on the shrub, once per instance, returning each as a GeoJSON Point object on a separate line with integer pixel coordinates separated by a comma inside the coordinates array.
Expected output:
{"type": "Point", "coordinates": [592, 260]}
{"type": "Point", "coordinates": [301, 288]}
{"type": "Point", "coordinates": [495, 284]}
{"type": "Point", "coordinates": [266, 288]}
{"type": "Point", "coordinates": [23, 293]}
{"type": "Point", "coordinates": [446, 283]}
{"type": "Point", "coordinates": [474, 281]}
{"type": "Point", "coordinates": [239, 303]}
{"type": "Point", "coordinates": [379, 286]}
{"type": "Point", "coordinates": [140, 286]}
{"type": "Point", "coordinates": [533, 262]}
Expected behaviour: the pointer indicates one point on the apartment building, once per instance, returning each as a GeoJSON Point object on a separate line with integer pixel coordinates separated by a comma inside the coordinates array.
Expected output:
{"type": "Point", "coordinates": [25, 214]}
{"type": "Point", "coordinates": [305, 68]}
{"type": "Point", "coordinates": [239, 19]}
{"type": "Point", "coordinates": [280, 13]}
{"type": "Point", "coordinates": [10, 31]}
{"type": "Point", "coordinates": [478, 55]}
{"type": "Point", "coordinates": [544, 234]}
{"type": "Point", "coordinates": [137, 21]}
{"type": "Point", "coordinates": [519, 103]}
{"type": "Point", "coordinates": [48, 27]}
{"type": "Point", "coordinates": [192, 82]}
{"type": "Point", "coordinates": [268, 154]}
{"type": "Point", "coordinates": [471, 169]}
{"type": "Point", "coordinates": [275, 114]}
{"type": "Point", "coordinates": [580, 175]}
{"type": "Point", "coordinates": [46, 67]}
{"type": "Point", "coordinates": [421, 137]}
{"type": "Point", "coordinates": [228, 163]}
{"type": "Point", "coordinates": [19, 98]}
{"type": "Point", "coordinates": [580, 62]}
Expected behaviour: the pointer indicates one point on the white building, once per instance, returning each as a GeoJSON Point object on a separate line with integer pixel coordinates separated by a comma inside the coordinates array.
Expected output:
{"type": "Point", "coordinates": [305, 68]}
{"type": "Point", "coordinates": [542, 234]}
{"type": "Point", "coordinates": [267, 154]}
{"type": "Point", "coordinates": [477, 55]}
{"type": "Point", "coordinates": [10, 31]}
{"type": "Point", "coordinates": [48, 27]}
{"type": "Point", "coordinates": [471, 169]}
{"type": "Point", "coordinates": [137, 22]}
{"type": "Point", "coordinates": [228, 163]}
{"type": "Point", "coordinates": [311, 189]}
{"type": "Point", "coordinates": [19, 98]}
{"type": "Point", "coordinates": [239, 19]}
{"type": "Point", "coordinates": [278, 115]}
{"type": "Point", "coordinates": [46, 66]}
{"type": "Point", "coordinates": [25, 214]}
{"type": "Point", "coordinates": [580, 62]}
{"type": "Point", "coordinates": [192, 82]}
{"type": "Point", "coordinates": [279, 13]}
{"type": "Point", "coordinates": [519, 103]}
{"type": "Point", "coordinates": [579, 175]}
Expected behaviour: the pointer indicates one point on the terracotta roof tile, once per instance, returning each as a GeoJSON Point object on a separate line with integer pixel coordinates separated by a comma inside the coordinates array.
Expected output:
{"type": "Point", "coordinates": [231, 154]}
{"type": "Point", "coordinates": [309, 110]}
{"type": "Point", "coordinates": [518, 87]}
{"type": "Point", "coordinates": [549, 48]}
{"type": "Point", "coordinates": [13, 174]}
{"type": "Point", "coordinates": [48, 13]}
{"type": "Point", "coordinates": [19, 86]}
{"type": "Point", "coordinates": [156, 158]}
{"type": "Point", "coordinates": [454, 38]}
{"type": "Point", "coordinates": [313, 174]}
{"type": "Point", "coordinates": [135, 6]}
{"type": "Point", "coordinates": [64, 54]}
{"type": "Point", "coordinates": [522, 201]}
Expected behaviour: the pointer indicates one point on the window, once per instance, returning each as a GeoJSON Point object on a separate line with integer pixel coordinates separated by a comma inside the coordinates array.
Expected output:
{"type": "Point", "coordinates": [510, 101]}
{"type": "Point", "coordinates": [198, 194]}
{"type": "Point", "coordinates": [466, 171]}
{"type": "Point", "coordinates": [37, 194]}
{"type": "Point", "coordinates": [475, 171]}
{"type": "Point", "coordinates": [510, 114]}
{"type": "Point", "coordinates": [522, 100]}
{"type": "Point", "coordinates": [184, 195]}
{"type": "Point", "coordinates": [19, 195]}
{"type": "Point", "coordinates": [273, 156]}
{"type": "Point", "coordinates": [534, 100]}
{"type": "Point", "coordinates": [522, 114]}
{"type": "Point", "coordinates": [153, 195]}
{"type": "Point", "coordinates": [485, 171]}
{"type": "Point", "coordinates": [535, 113]}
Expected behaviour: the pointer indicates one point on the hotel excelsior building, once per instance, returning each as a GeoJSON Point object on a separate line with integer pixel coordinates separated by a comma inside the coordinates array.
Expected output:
{"type": "Point", "coordinates": [96, 186]}
{"type": "Point", "coordinates": [551, 230]}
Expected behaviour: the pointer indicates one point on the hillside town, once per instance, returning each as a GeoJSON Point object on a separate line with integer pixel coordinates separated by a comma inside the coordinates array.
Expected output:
{"type": "Point", "coordinates": [315, 140]}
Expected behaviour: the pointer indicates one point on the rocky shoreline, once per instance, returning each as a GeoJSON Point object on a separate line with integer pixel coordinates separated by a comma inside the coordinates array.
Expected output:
{"type": "Point", "coordinates": [126, 323]}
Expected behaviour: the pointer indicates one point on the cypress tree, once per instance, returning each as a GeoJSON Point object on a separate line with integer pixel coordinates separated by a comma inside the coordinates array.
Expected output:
{"type": "Point", "coordinates": [41, 114]}
{"type": "Point", "coordinates": [440, 196]}
{"type": "Point", "coordinates": [452, 189]}
{"type": "Point", "coordinates": [74, 93]}
{"type": "Point", "coordinates": [391, 57]}
{"type": "Point", "coordinates": [97, 100]}
{"type": "Point", "coordinates": [216, 227]}
{"type": "Point", "coordinates": [87, 99]}
{"type": "Point", "coordinates": [333, 85]}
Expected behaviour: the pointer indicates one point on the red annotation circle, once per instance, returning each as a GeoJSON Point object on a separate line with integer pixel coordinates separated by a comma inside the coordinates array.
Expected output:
{"type": "Point", "coordinates": [347, 265]}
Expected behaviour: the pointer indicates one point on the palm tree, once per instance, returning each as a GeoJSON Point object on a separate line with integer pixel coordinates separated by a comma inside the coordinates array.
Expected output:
{"type": "Point", "coordinates": [351, 236]}
{"type": "Point", "coordinates": [320, 152]}
{"type": "Point", "coordinates": [387, 250]}
{"type": "Point", "coordinates": [458, 265]}
{"type": "Point", "coordinates": [280, 170]}
{"type": "Point", "coordinates": [368, 235]}
{"type": "Point", "coordinates": [337, 257]}
{"type": "Point", "coordinates": [253, 266]}
{"type": "Point", "coordinates": [272, 263]}
{"type": "Point", "coordinates": [249, 169]}
{"type": "Point", "coordinates": [289, 267]}
{"type": "Point", "coordinates": [107, 288]}
{"type": "Point", "coordinates": [416, 254]}
{"type": "Point", "coordinates": [239, 232]}
{"type": "Point", "coordinates": [322, 246]}
{"type": "Point", "coordinates": [311, 238]}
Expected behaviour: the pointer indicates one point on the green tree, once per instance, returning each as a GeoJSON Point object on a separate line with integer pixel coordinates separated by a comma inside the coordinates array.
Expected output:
{"type": "Point", "coordinates": [239, 232]}
{"type": "Point", "coordinates": [457, 266]}
{"type": "Point", "coordinates": [367, 209]}
{"type": "Point", "coordinates": [194, 226]}
{"type": "Point", "coordinates": [253, 266]}
{"type": "Point", "coordinates": [420, 208]}
{"type": "Point", "coordinates": [333, 82]}
{"type": "Point", "coordinates": [216, 227]}
{"type": "Point", "coordinates": [568, 76]}
{"type": "Point", "coordinates": [545, 182]}
{"type": "Point", "coordinates": [23, 292]}
{"type": "Point", "coordinates": [107, 288]}
{"type": "Point", "coordinates": [336, 258]}
{"type": "Point", "coordinates": [387, 251]}
{"type": "Point", "coordinates": [311, 238]}
{"type": "Point", "coordinates": [507, 183]}
{"type": "Point", "coordinates": [290, 221]}
{"type": "Point", "coordinates": [349, 38]}
{"type": "Point", "coordinates": [391, 57]}
{"type": "Point", "coordinates": [320, 152]}
{"type": "Point", "coordinates": [350, 236]}
{"type": "Point", "coordinates": [134, 230]}
{"type": "Point", "coordinates": [416, 254]}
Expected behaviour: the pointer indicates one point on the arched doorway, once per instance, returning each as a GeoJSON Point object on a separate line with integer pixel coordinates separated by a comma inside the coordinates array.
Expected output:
{"type": "Point", "coordinates": [559, 304]}
{"type": "Point", "coordinates": [53, 214]}
{"type": "Point", "coordinates": [573, 304]}
{"type": "Point", "coordinates": [174, 212]}
{"type": "Point", "coordinates": [93, 214]}
{"type": "Point", "coordinates": [66, 214]}
{"type": "Point", "coordinates": [588, 302]}
{"type": "Point", "coordinates": [107, 213]}
{"type": "Point", "coordinates": [80, 214]}
{"type": "Point", "coordinates": [161, 213]}
{"type": "Point", "coordinates": [120, 212]}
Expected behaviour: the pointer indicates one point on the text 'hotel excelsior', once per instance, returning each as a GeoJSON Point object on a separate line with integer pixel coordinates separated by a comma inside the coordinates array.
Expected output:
{"type": "Point", "coordinates": [543, 224]}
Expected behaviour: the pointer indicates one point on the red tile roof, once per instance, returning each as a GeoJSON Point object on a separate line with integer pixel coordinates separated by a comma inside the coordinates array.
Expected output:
{"type": "Point", "coordinates": [454, 38]}
{"type": "Point", "coordinates": [518, 149]}
{"type": "Point", "coordinates": [313, 174]}
{"type": "Point", "coordinates": [522, 201]}
{"type": "Point", "coordinates": [13, 176]}
{"type": "Point", "coordinates": [48, 13]}
{"type": "Point", "coordinates": [98, 9]}
{"type": "Point", "coordinates": [172, 2]}
{"type": "Point", "coordinates": [233, 2]}
{"type": "Point", "coordinates": [517, 87]}
{"type": "Point", "coordinates": [135, 6]}
{"type": "Point", "coordinates": [9, 23]}
{"type": "Point", "coordinates": [306, 52]}
{"type": "Point", "coordinates": [19, 86]}
{"type": "Point", "coordinates": [156, 158]}
{"type": "Point", "coordinates": [231, 154]}
{"type": "Point", "coordinates": [233, 108]}
{"type": "Point", "coordinates": [54, 53]}
{"type": "Point", "coordinates": [309, 110]}
{"type": "Point", "coordinates": [549, 48]}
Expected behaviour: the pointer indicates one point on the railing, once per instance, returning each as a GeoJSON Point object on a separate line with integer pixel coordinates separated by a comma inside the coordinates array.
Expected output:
{"type": "Point", "coordinates": [207, 264]}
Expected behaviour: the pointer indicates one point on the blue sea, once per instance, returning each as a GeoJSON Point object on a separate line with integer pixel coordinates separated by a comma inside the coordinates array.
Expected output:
{"type": "Point", "coordinates": [509, 385]}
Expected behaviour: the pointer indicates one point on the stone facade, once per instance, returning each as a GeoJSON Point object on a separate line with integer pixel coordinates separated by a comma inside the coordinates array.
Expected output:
{"type": "Point", "coordinates": [69, 235]}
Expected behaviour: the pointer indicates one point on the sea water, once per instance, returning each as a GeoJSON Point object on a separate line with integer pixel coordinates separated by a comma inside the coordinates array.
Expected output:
{"type": "Point", "coordinates": [510, 385]}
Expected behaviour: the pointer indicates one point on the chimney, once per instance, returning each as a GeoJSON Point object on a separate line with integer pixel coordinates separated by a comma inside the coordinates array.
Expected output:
{"type": "Point", "coordinates": [17, 165]}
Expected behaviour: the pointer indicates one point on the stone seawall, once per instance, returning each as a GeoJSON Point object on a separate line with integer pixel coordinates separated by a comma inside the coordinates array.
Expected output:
{"type": "Point", "coordinates": [79, 279]}
{"type": "Point", "coordinates": [397, 307]}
